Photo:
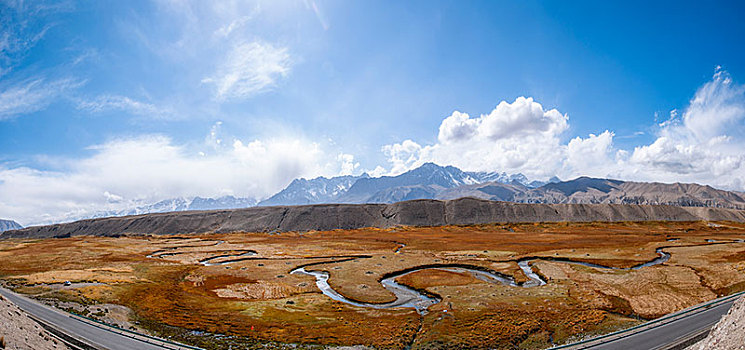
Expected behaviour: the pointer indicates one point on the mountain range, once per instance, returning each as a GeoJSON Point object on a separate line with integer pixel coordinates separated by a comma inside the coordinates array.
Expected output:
{"type": "Point", "coordinates": [432, 181]}
{"type": "Point", "coordinates": [183, 204]}
{"type": "Point", "coordinates": [425, 182]}
{"type": "Point", "coordinates": [6, 225]}
{"type": "Point", "coordinates": [586, 190]}
{"type": "Point", "coordinates": [318, 190]}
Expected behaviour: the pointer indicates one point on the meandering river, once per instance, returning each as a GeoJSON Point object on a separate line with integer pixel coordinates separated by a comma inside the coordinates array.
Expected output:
{"type": "Point", "coordinates": [421, 301]}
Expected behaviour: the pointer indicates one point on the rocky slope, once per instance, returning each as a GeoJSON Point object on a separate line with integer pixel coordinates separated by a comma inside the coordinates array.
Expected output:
{"type": "Point", "coordinates": [602, 191]}
{"type": "Point", "coordinates": [314, 191]}
{"type": "Point", "coordinates": [6, 225]}
{"type": "Point", "coordinates": [424, 182]}
{"type": "Point", "coordinates": [729, 333]}
{"type": "Point", "coordinates": [431, 181]}
{"type": "Point", "coordinates": [18, 331]}
{"type": "Point", "coordinates": [462, 211]}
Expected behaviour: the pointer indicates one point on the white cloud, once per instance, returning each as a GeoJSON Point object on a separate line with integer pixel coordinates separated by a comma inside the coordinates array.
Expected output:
{"type": "Point", "coordinates": [227, 29]}
{"type": "Point", "coordinates": [403, 156]}
{"type": "Point", "coordinates": [515, 137]}
{"type": "Point", "coordinates": [704, 144]}
{"type": "Point", "coordinates": [105, 103]}
{"type": "Point", "coordinates": [23, 87]}
{"type": "Point", "coordinates": [591, 156]}
{"type": "Point", "coordinates": [348, 165]}
{"type": "Point", "coordinates": [213, 139]}
{"type": "Point", "coordinates": [717, 108]}
{"type": "Point", "coordinates": [249, 69]}
{"type": "Point", "coordinates": [126, 172]}
{"type": "Point", "coordinates": [32, 95]}
{"type": "Point", "coordinates": [24, 24]}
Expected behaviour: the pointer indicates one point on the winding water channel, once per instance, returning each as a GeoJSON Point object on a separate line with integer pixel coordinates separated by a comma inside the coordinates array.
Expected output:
{"type": "Point", "coordinates": [407, 297]}
{"type": "Point", "coordinates": [421, 301]}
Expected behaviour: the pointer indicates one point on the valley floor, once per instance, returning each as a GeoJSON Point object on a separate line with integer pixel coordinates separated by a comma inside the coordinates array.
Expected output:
{"type": "Point", "coordinates": [218, 290]}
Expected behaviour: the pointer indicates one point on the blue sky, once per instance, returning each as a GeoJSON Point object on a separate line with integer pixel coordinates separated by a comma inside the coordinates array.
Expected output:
{"type": "Point", "coordinates": [110, 104]}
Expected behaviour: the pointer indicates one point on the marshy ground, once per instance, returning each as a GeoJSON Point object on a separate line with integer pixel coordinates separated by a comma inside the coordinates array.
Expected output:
{"type": "Point", "coordinates": [218, 290]}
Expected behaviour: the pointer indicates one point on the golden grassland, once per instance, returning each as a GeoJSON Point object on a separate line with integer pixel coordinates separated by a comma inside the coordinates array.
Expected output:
{"type": "Point", "coordinates": [255, 301]}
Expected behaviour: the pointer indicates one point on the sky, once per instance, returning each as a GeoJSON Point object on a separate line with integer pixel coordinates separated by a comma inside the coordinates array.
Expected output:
{"type": "Point", "coordinates": [106, 105]}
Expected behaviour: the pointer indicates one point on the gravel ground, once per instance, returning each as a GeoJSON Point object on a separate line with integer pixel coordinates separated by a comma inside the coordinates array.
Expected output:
{"type": "Point", "coordinates": [18, 331]}
{"type": "Point", "coordinates": [729, 333]}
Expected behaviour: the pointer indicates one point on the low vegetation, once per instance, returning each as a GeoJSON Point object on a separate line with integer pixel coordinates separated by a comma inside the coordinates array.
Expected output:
{"type": "Point", "coordinates": [252, 300]}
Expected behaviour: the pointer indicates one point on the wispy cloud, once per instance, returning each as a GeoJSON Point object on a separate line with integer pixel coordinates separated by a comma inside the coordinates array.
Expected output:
{"type": "Point", "coordinates": [311, 4]}
{"type": "Point", "coordinates": [105, 103]}
{"type": "Point", "coordinates": [23, 25]}
{"type": "Point", "coordinates": [33, 95]}
{"type": "Point", "coordinates": [227, 29]}
{"type": "Point", "coordinates": [250, 69]}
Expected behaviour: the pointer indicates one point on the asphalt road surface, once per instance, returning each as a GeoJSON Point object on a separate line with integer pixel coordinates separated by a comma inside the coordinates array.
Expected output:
{"type": "Point", "coordinates": [662, 335]}
{"type": "Point", "coordinates": [97, 336]}
{"type": "Point", "coordinates": [654, 336]}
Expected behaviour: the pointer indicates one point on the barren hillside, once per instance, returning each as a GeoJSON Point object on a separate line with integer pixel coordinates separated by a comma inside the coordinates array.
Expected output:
{"type": "Point", "coordinates": [18, 331]}
{"type": "Point", "coordinates": [729, 333]}
{"type": "Point", "coordinates": [464, 211]}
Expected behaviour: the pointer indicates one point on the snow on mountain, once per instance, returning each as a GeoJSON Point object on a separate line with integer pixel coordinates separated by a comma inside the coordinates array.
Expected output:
{"type": "Point", "coordinates": [426, 181]}
{"type": "Point", "coordinates": [6, 225]}
{"type": "Point", "coordinates": [183, 204]}
{"type": "Point", "coordinates": [318, 190]}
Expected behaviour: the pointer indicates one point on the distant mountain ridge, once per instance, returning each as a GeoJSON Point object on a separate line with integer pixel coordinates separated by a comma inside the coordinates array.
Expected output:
{"type": "Point", "coordinates": [432, 181]}
{"type": "Point", "coordinates": [6, 225]}
{"type": "Point", "coordinates": [586, 190]}
{"type": "Point", "coordinates": [183, 204]}
{"type": "Point", "coordinates": [318, 190]}
{"type": "Point", "coordinates": [424, 182]}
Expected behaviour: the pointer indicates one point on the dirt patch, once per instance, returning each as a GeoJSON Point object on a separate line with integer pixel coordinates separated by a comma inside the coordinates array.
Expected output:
{"type": "Point", "coordinates": [436, 277]}
{"type": "Point", "coordinates": [256, 291]}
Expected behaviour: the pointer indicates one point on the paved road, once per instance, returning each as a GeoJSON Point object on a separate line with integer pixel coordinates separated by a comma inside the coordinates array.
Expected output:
{"type": "Point", "coordinates": [91, 334]}
{"type": "Point", "coordinates": [660, 335]}
{"type": "Point", "coordinates": [654, 336]}
{"type": "Point", "coordinates": [670, 332]}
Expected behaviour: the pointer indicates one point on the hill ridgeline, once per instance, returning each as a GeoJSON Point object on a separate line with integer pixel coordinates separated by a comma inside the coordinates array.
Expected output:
{"type": "Point", "coordinates": [425, 212]}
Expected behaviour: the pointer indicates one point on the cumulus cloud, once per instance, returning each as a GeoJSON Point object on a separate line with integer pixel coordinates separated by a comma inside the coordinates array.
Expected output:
{"type": "Point", "coordinates": [348, 165]}
{"type": "Point", "coordinates": [704, 144]}
{"type": "Point", "coordinates": [591, 156]}
{"type": "Point", "coordinates": [126, 172]}
{"type": "Point", "coordinates": [249, 69]}
{"type": "Point", "coordinates": [516, 137]}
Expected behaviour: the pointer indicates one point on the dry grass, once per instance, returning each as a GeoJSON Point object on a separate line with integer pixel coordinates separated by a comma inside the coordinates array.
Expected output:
{"type": "Point", "coordinates": [258, 299]}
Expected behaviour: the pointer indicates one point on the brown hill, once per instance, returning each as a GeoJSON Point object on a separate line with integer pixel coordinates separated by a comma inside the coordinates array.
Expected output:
{"type": "Point", "coordinates": [464, 211]}
{"type": "Point", "coordinates": [587, 190]}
